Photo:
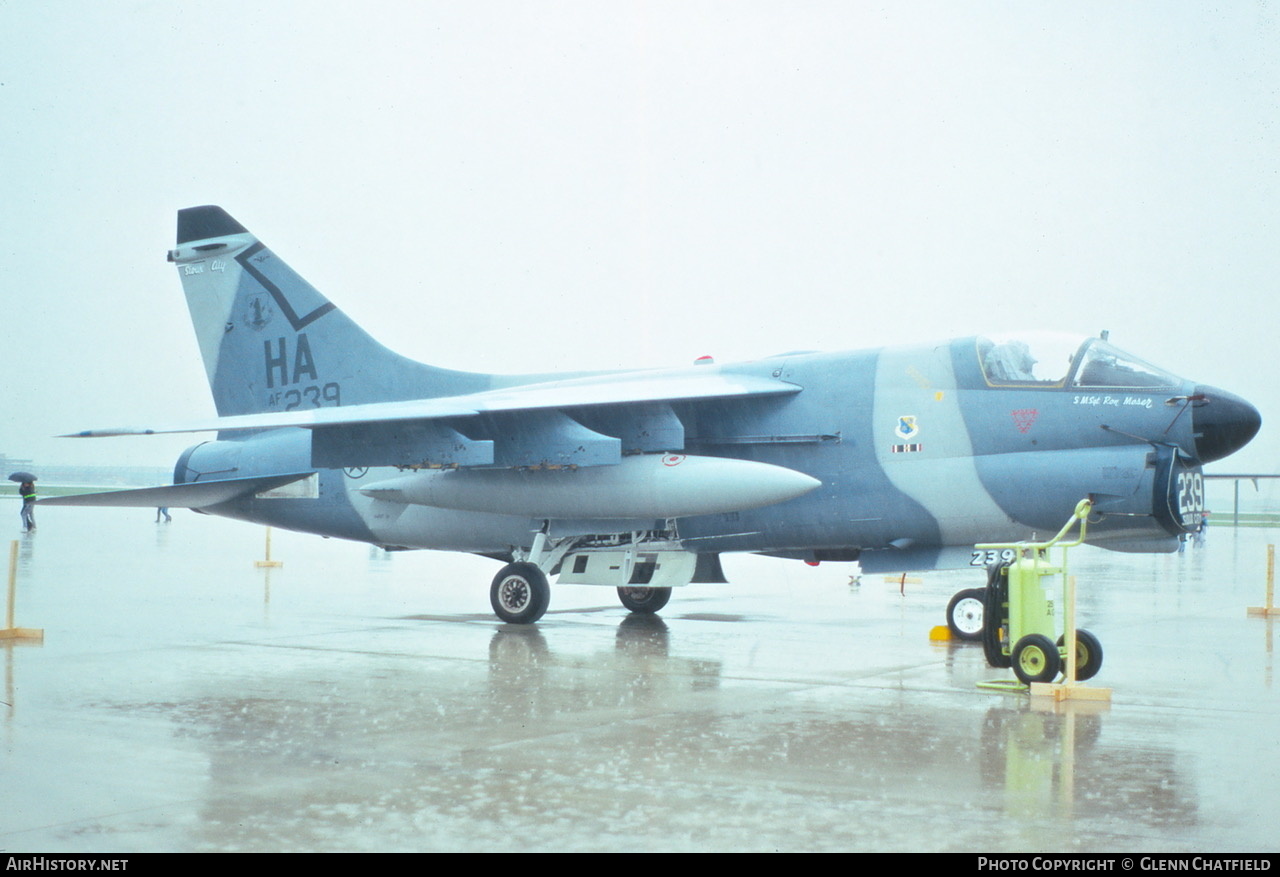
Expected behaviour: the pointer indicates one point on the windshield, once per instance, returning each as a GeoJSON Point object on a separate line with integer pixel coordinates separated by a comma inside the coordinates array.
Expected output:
{"type": "Point", "coordinates": [1102, 365]}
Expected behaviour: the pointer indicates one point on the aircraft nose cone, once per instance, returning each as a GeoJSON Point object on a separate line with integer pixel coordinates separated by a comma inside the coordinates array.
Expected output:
{"type": "Point", "coordinates": [1223, 423]}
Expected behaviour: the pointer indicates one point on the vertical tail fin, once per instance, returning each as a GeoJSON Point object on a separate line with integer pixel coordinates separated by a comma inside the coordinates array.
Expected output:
{"type": "Point", "coordinates": [271, 342]}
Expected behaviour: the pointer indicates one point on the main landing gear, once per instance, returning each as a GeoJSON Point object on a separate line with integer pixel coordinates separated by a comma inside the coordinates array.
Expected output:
{"type": "Point", "coordinates": [520, 592]}
{"type": "Point", "coordinates": [647, 600]}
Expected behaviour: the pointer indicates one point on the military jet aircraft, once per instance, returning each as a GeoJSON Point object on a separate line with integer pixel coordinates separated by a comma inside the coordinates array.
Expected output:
{"type": "Point", "coordinates": [899, 458]}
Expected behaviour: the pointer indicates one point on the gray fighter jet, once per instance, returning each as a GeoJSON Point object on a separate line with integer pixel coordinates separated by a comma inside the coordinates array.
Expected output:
{"type": "Point", "coordinates": [899, 458]}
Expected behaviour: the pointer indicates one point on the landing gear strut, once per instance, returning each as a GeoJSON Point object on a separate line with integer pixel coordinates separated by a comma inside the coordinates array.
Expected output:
{"type": "Point", "coordinates": [520, 592]}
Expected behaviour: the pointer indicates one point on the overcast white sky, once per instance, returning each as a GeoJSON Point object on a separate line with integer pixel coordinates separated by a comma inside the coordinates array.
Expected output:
{"type": "Point", "coordinates": [524, 186]}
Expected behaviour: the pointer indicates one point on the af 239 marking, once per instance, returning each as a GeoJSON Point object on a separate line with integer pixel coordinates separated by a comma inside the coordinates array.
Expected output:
{"type": "Point", "coordinates": [277, 362]}
{"type": "Point", "coordinates": [314, 396]}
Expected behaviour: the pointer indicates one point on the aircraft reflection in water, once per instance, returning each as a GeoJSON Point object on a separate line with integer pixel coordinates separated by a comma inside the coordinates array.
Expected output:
{"type": "Point", "coordinates": [900, 458]}
{"type": "Point", "coordinates": [864, 773]}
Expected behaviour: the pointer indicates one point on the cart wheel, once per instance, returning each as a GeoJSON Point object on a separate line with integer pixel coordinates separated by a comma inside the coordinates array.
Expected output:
{"type": "Point", "coordinates": [1035, 659]}
{"type": "Point", "coordinates": [1088, 655]}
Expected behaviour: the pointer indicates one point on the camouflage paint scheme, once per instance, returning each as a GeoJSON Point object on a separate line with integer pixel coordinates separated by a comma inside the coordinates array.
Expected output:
{"type": "Point", "coordinates": [920, 451]}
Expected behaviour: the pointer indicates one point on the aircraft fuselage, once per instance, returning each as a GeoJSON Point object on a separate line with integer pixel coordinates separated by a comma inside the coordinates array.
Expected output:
{"type": "Point", "coordinates": [919, 457]}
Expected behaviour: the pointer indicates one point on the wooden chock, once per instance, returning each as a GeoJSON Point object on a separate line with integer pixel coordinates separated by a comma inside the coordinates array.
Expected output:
{"type": "Point", "coordinates": [1069, 691]}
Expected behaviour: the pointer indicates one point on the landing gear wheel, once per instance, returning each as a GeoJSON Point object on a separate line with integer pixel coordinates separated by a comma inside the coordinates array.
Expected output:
{"type": "Point", "coordinates": [644, 599]}
{"type": "Point", "coordinates": [1036, 659]}
{"type": "Point", "coordinates": [964, 614]}
{"type": "Point", "coordinates": [519, 593]}
{"type": "Point", "coordinates": [1088, 655]}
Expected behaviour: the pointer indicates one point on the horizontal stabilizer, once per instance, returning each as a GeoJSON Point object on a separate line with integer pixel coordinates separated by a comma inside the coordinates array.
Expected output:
{"type": "Point", "coordinates": [196, 495]}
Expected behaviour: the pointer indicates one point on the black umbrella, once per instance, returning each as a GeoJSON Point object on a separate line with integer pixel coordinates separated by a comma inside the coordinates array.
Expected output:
{"type": "Point", "coordinates": [22, 476]}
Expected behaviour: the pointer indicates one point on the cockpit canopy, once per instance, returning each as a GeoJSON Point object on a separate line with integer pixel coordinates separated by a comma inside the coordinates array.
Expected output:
{"type": "Point", "coordinates": [1050, 359]}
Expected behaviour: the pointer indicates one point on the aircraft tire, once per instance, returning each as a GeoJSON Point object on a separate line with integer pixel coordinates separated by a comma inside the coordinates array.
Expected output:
{"type": "Point", "coordinates": [1036, 659]}
{"type": "Point", "coordinates": [520, 593]}
{"type": "Point", "coordinates": [1088, 654]}
{"type": "Point", "coordinates": [644, 599]}
{"type": "Point", "coordinates": [965, 614]}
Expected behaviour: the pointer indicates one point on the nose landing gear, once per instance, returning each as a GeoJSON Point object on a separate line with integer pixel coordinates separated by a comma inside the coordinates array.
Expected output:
{"type": "Point", "coordinates": [965, 613]}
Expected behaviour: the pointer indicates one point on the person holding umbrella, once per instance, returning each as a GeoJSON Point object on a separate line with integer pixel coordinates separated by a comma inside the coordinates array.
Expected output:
{"type": "Point", "coordinates": [27, 490]}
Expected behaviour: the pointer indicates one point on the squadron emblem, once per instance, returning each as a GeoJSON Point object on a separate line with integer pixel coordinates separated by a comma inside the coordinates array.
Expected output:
{"type": "Point", "coordinates": [258, 312]}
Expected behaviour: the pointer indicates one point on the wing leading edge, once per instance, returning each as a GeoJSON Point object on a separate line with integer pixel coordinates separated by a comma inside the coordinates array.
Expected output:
{"type": "Point", "coordinates": [623, 389]}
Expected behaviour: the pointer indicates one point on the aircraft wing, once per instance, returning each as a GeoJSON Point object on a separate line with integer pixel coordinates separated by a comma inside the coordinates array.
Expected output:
{"type": "Point", "coordinates": [636, 388]}
{"type": "Point", "coordinates": [196, 495]}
